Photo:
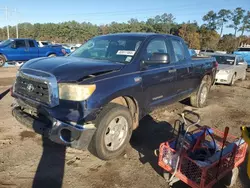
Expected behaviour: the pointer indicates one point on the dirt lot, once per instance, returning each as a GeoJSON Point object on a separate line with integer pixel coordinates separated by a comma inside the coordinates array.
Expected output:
{"type": "Point", "coordinates": [27, 159]}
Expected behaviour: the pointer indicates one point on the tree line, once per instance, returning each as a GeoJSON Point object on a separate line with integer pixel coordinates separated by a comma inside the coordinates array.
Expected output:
{"type": "Point", "coordinates": [206, 36]}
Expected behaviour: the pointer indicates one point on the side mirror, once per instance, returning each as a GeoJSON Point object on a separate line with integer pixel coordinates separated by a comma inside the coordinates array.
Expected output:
{"type": "Point", "coordinates": [13, 45]}
{"type": "Point", "coordinates": [158, 58]}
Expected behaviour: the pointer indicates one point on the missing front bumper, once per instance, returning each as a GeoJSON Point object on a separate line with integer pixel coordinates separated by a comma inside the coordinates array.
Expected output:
{"type": "Point", "coordinates": [75, 136]}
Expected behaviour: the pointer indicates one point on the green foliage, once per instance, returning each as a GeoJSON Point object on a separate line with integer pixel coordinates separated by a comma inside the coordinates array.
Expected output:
{"type": "Point", "coordinates": [228, 43]}
{"type": "Point", "coordinates": [197, 37]}
{"type": "Point", "coordinates": [208, 38]}
{"type": "Point", "coordinates": [223, 17]}
{"type": "Point", "coordinates": [210, 20]}
{"type": "Point", "coordinates": [189, 32]}
{"type": "Point", "coordinates": [237, 16]}
{"type": "Point", "coordinates": [245, 23]}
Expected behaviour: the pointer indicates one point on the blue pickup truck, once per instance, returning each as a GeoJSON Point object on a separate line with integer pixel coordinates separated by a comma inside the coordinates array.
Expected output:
{"type": "Point", "coordinates": [12, 50]}
{"type": "Point", "coordinates": [95, 97]}
{"type": "Point", "coordinates": [245, 53]}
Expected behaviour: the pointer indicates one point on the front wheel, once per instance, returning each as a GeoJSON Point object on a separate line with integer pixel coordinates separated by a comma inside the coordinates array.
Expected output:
{"type": "Point", "coordinates": [114, 129]}
{"type": "Point", "coordinates": [233, 80]}
{"type": "Point", "coordinates": [199, 99]}
{"type": "Point", "coordinates": [2, 61]}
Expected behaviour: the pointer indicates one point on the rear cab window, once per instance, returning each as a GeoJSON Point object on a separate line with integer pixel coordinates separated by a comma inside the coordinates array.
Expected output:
{"type": "Point", "coordinates": [178, 50]}
{"type": "Point", "coordinates": [31, 44]}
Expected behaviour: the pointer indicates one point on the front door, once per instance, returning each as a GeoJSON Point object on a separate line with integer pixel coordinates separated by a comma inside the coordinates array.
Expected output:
{"type": "Point", "coordinates": [240, 68]}
{"type": "Point", "coordinates": [158, 79]}
{"type": "Point", "coordinates": [19, 51]}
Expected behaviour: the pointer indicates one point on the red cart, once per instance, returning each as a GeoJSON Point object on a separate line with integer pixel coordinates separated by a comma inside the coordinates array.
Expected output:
{"type": "Point", "coordinates": [175, 159]}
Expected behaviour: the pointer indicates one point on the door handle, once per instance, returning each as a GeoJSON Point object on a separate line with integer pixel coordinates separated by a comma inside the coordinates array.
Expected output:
{"type": "Point", "coordinates": [172, 70]}
{"type": "Point", "coordinates": [26, 50]}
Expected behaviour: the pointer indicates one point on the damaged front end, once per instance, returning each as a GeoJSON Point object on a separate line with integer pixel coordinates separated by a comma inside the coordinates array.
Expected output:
{"type": "Point", "coordinates": [76, 136]}
{"type": "Point", "coordinates": [37, 107]}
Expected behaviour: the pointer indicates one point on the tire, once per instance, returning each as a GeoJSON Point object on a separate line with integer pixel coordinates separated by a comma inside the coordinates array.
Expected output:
{"type": "Point", "coordinates": [230, 179]}
{"type": "Point", "coordinates": [106, 143]}
{"type": "Point", "coordinates": [2, 61]}
{"type": "Point", "coordinates": [232, 80]}
{"type": "Point", "coordinates": [52, 55]}
{"type": "Point", "coordinates": [199, 99]}
{"type": "Point", "coordinates": [166, 175]}
{"type": "Point", "coordinates": [244, 76]}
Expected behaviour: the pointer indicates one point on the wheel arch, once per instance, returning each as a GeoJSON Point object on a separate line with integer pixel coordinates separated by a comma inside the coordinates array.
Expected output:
{"type": "Point", "coordinates": [50, 53]}
{"type": "Point", "coordinates": [4, 56]}
{"type": "Point", "coordinates": [132, 104]}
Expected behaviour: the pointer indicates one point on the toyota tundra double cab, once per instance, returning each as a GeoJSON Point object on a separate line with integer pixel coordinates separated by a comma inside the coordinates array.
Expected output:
{"type": "Point", "coordinates": [94, 98]}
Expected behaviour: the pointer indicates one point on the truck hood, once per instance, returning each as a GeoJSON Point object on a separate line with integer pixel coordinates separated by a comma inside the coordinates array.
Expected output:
{"type": "Point", "coordinates": [72, 69]}
{"type": "Point", "coordinates": [225, 67]}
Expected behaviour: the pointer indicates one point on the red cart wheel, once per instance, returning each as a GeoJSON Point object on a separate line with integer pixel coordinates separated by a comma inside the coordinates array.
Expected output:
{"type": "Point", "coordinates": [230, 179]}
{"type": "Point", "coordinates": [166, 175]}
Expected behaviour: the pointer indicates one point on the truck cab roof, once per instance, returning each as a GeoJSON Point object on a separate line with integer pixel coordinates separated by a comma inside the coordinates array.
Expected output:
{"type": "Point", "coordinates": [139, 34]}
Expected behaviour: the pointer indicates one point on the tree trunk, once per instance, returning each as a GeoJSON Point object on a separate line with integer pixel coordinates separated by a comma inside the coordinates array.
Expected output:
{"type": "Point", "coordinates": [221, 30]}
{"type": "Point", "coordinates": [242, 32]}
{"type": "Point", "coordinates": [235, 31]}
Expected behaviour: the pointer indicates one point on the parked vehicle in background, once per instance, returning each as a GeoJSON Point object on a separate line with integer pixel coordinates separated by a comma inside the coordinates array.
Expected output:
{"type": "Point", "coordinates": [245, 53]}
{"type": "Point", "coordinates": [21, 50]}
{"type": "Point", "coordinates": [69, 48]}
{"type": "Point", "coordinates": [230, 69]}
{"type": "Point", "coordinates": [44, 43]}
{"type": "Point", "coordinates": [206, 52]}
{"type": "Point", "coordinates": [192, 52]}
{"type": "Point", "coordinates": [96, 96]}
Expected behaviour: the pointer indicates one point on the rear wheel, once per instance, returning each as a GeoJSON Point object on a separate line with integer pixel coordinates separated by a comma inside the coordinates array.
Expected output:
{"type": "Point", "coordinates": [199, 99]}
{"type": "Point", "coordinates": [230, 179]}
{"type": "Point", "coordinates": [114, 129]}
{"type": "Point", "coordinates": [52, 55]}
{"type": "Point", "coordinates": [2, 61]}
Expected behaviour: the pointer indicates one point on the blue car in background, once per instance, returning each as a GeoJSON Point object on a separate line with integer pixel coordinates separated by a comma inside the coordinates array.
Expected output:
{"type": "Point", "coordinates": [245, 53]}
{"type": "Point", "coordinates": [21, 50]}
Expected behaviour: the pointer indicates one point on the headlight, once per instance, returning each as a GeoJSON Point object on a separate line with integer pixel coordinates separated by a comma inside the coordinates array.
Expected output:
{"type": "Point", "coordinates": [75, 92]}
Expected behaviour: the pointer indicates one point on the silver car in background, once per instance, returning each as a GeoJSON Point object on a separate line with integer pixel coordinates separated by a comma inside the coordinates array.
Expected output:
{"type": "Point", "coordinates": [230, 69]}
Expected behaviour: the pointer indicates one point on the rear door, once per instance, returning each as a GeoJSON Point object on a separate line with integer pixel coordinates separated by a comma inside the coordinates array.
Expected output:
{"type": "Point", "coordinates": [32, 49]}
{"type": "Point", "coordinates": [158, 79]}
{"type": "Point", "coordinates": [184, 69]}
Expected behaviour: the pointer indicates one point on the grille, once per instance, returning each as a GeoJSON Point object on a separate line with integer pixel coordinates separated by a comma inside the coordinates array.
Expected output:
{"type": "Point", "coordinates": [32, 89]}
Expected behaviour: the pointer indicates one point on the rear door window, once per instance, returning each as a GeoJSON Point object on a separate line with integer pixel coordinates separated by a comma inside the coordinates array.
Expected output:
{"type": "Point", "coordinates": [20, 44]}
{"type": "Point", "coordinates": [178, 50]}
{"type": "Point", "coordinates": [31, 44]}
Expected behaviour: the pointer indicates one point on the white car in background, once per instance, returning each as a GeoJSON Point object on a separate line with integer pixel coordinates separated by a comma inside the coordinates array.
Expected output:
{"type": "Point", "coordinates": [230, 69]}
{"type": "Point", "coordinates": [43, 43]}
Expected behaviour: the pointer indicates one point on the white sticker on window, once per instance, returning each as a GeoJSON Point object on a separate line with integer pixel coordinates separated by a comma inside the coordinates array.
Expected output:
{"type": "Point", "coordinates": [128, 59]}
{"type": "Point", "coordinates": [125, 52]}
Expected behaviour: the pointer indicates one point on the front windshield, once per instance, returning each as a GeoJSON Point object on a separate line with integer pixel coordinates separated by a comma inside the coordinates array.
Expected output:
{"type": "Point", "coordinates": [226, 60]}
{"type": "Point", "coordinates": [111, 48]}
{"type": "Point", "coordinates": [6, 42]}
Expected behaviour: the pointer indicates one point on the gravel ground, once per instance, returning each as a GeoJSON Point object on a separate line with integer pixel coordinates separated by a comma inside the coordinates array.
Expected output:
{"type": "Point", "coordinates": [27, 159]}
